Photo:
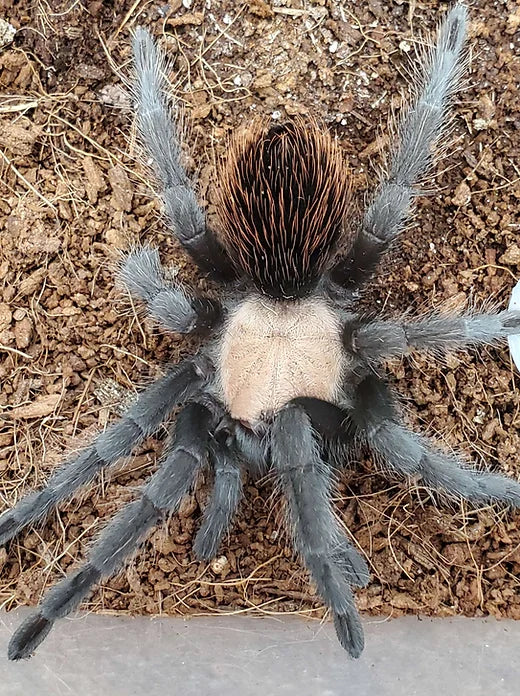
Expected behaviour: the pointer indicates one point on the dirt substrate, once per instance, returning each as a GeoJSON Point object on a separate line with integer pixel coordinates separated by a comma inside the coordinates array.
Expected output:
{"type": "Point", "coordinates": [73, 196]}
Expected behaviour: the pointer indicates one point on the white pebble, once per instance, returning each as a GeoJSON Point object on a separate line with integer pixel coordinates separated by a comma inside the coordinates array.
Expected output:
{"type": "Point", "coordinates": [219, 565]}
{"type": "Point", "coordinates": [7, 32]}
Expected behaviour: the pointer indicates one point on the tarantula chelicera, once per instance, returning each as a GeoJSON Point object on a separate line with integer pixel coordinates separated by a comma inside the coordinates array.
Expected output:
{"type": "Point", "coordinates": [292, 377]}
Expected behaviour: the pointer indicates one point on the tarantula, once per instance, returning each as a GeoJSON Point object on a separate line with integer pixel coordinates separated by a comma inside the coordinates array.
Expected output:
{"type": "Point", "coordinates": [293, 376]}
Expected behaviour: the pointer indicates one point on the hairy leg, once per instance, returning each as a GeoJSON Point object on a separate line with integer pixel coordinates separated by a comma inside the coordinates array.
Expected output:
{"type": "Point", "coordinates": [223, 502]}
{"type": "Point", "coordinates": [330, 559]}
{"type": "Point", "coordinates": [234, 442]}
{"type": "Point", "coordinates": [379, 340]}
{"type": "Point", "coordinates": [161, 140]}
{"type": "Point", "coordinates": [254, 448]}
{"type": "Point", "coordinates": [162, 494]}
{"type": "Point", "coordinates": [409, 454]}
{"type": "Point", "coordinates": [167, 303]}
{"type": "Point", "coordinates": [418, 133]}
{"type": "Point", "coordinates": [118, 440]}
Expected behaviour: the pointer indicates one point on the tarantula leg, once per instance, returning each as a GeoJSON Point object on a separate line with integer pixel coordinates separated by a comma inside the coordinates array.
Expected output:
{"type": "Point", "coordinates": [411, 455]}
{"type": "Point", "coordinates": [418, 132]}
{"type": "Point", "coordinates": [253, 447]}
{"type": "Point", "coordinates": [118, 440]}
{"type": "Point", "coordinates": [162, 494]}
{"type": "Point", "coordinates": [331, 422]}
{"type": "Point", "coordinates": [162, 141]}
{"type": "Point", "coordinates": [223, 503]}
{"type": "Point", "coordinates": [168, 304]}
{"type": "Point", "coordinates": [306, 482]}
{"type": "Point", "coordinates": [379, 340]}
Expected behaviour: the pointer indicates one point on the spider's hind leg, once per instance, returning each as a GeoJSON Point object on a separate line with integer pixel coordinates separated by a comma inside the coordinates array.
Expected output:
{"type": "Point", "coordinates": [162, 494]}
{"type": "Point", "coordinates": [331, 560]}
{"type": "Point", "coordinates": [410, 454]}
{"type": "Point", "coordinates": [142, 419]}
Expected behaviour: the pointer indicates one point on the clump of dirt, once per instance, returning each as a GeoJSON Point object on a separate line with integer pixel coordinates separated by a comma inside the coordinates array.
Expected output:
{"type": "Point", "coordinates": [74, 197]}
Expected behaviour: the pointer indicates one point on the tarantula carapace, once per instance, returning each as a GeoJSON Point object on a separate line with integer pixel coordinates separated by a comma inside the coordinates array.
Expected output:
{"type": "Point", "coordinates": [292, 376]}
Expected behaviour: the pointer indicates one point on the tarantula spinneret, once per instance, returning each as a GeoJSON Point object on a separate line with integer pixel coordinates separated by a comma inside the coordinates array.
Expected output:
{"type": "Point", "coordinates": [293, 376]}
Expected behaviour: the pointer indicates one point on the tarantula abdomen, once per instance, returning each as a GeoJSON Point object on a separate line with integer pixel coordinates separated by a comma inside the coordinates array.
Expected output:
{"type": "Point", "coordinates": [283, 198]}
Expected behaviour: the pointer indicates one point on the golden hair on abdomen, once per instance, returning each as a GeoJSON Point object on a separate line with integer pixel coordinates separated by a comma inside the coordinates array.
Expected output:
{"type": "Point", "coordinates": [282, 203]}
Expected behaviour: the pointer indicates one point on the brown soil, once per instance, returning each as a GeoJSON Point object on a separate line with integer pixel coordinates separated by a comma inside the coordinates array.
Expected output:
{"type": "Point", "coordinates": [73, 197]}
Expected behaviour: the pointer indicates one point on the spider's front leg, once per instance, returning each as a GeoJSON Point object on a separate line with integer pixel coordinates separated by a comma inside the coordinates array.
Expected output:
{"type": "Point", "coordinates": [375, 415]}
{"type": "Point", "coordinates": [162, 494]}
{"type": "Point", "coordinates": [170, 304]}
{"type": "Point", "coordinates": [162, 141]}
{"type": "Point", "coordinates": [331, 560]}
{"type": "Point", "coordinates": [418, 133]}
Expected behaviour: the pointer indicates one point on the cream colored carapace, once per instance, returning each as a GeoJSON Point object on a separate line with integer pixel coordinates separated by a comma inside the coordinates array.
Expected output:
{"type": "Point", "coordinates": [273, 352]}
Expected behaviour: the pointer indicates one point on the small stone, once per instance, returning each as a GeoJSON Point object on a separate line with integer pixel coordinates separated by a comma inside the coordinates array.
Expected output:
{"type": "Point", "coordinates": [7, 32]}
{"type": "Point", "coordinates": [486, 107]}
{"type": "Point", "coordinates": [511, 255]}
{"type": "Point", "coordinates": [115, 96]}
{"type": "Point", "coordinates": [188, 506]}
{"type": "Point", "coordinates": [23, 330]}
{"type": "Point", "coordinates": [95, 181]}
{"type": "Point", "coordinates": [116, 238]}
{"type": "Point", "coordinates": [260, 9]}
{"type": "Point", "coordinates": [121, 189]}
{"type": "Point", "coordinates": [220, 565]}
{"type": "Point", "coordinates": [480, 124]}
{"type": "Point", "coordinates": [193, 19]}
{"type": "Point", "coordinates": [513, 22]}
{"type": "Point", "coordinates": [19, 137]}
{"type": "Point", "coordinates": [32, 282]}
{"type": "Point", "coordinates": [5, 316]}
{"type": "Point", "coordinates": [264, 79]}
{"type": "Point", "coordinates": [462, 195]}
{"type": "Point", "coordinates": [43, 405]}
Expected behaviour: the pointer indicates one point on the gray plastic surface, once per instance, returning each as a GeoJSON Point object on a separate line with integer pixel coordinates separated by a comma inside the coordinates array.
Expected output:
{"type": "Point", "coordinates": [120, 656]}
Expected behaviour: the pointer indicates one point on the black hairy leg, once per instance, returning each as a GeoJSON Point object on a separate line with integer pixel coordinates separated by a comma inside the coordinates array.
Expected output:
{"type": "Point", "coordinates": [142, 419]}
{"type": "Point", "coordinates": [376, 417]}
{"type": "Point", "coordinates": [376, 341]}
{"type": "Point", "coordinates": [332, 561]}
{"type": "Point", "coordinates": [168, 303]}
{"type": "Point", "coordinates": [224, 499]}
{"type": "Point", "coordinates": [162, 494]}
{"type": "Point", "coordinates": [418, 134]}
{"type": "Point", "coordinates": [161, 139]}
